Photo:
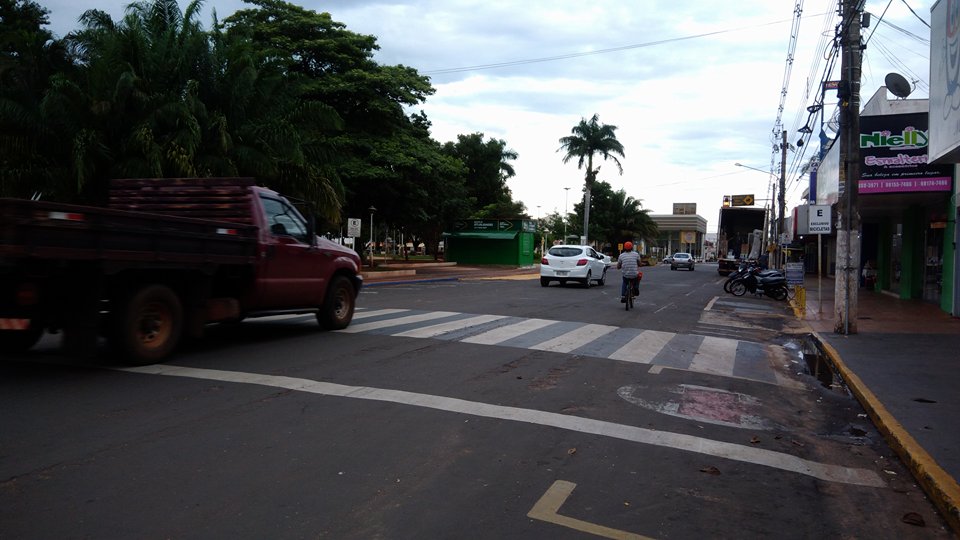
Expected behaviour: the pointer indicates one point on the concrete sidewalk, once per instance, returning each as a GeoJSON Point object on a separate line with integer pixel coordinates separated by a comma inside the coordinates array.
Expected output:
{"type": "Point", "coordinates": [903, 365]}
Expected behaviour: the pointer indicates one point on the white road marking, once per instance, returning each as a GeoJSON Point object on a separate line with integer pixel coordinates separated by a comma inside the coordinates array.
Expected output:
{"type": "Point", "coordinates": [376, 325]}
{"type": "Point", "coordinates": [575, 338]}
{"type": "Point", "coordinates": [376, 312]}
{"type": "Point", "coordinates": [715, 355]}
{"type": "Point", "coordinates": [643, 348]}
{"type": "Point", "coordinates": [443, 328]}
{"type": "Point", "coordinates": [679, 441]}
{"type": "Point", "coordinates": [499, 335]}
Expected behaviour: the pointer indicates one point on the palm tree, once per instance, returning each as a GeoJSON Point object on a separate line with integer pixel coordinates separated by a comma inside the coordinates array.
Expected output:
{"type": "Point", "coordinates": [630, 220]}
{"type": "Point", "coordinates": [587, 139]}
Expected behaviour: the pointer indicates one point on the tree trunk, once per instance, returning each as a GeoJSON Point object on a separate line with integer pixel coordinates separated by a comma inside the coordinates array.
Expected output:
{"type": "Point", "coordinates": [586, 214]}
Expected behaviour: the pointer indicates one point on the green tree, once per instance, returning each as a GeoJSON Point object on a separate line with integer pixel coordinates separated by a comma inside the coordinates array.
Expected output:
{"type": "Point", "coordinates": [30, 58]}
{"type": "Point", "coordinates": [589, 139]}
{"type": "Point", "coordinates": [488, 169]}
{"type": "Point", "coordinates": [627, 220]}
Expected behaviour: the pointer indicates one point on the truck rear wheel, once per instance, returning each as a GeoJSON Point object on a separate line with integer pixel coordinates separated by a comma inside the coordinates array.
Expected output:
{"type": "Point", "coordinates": [149, 325]}
{"type": "Point", "coordinates": [18, 341]}
{"type": "Point", "coordinates": [337, 309]}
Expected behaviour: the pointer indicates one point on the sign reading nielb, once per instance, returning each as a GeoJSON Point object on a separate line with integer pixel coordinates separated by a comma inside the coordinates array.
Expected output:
{"type": "Point", "coordinates": [894, 152]}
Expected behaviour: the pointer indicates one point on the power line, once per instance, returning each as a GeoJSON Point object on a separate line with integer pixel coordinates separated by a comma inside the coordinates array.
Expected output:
{"type": "Point", "coordinates": [915, 13]}
{"type": "Point", "coordinates": [521, 62]}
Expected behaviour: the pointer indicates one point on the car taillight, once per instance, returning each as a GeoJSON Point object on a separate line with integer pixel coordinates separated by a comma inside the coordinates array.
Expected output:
{"type": "Point", "coordinates": [582, 262]}
{"type": "Point", "coordinates": [545, 261]}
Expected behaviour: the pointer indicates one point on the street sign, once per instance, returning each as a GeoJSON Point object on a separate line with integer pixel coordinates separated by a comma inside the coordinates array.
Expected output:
{"type": "Point", "coordinates": [818, 219]}
{"type": "Point", "coordinates": [794, 273]}
{"type": "Point", "coordinates": [742, 200]}
{"type": "Point", "coordinates": [353, 227]}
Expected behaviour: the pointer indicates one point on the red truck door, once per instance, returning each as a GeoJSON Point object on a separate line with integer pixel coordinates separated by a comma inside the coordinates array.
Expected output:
{"type": "Point", "coordinates": [292, 272]}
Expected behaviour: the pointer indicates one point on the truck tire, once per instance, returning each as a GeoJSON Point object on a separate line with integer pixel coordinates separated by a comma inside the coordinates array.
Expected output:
{"type": "Point", "coordinates": [337, 309]}
{"type": "Point", "coordinates": [149, 325]}
{"type": "Point", "coordinates": [18, 341]}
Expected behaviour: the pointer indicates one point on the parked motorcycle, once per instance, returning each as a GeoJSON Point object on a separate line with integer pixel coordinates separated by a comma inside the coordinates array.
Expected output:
{"type": "Point", "coordinates": [774, 286]}
{"type": "Point", "coordinates": [742, 270]}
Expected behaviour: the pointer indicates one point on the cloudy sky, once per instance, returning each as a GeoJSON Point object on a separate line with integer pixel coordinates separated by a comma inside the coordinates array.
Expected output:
{"type": "Point", "coordinates": [693, 86]}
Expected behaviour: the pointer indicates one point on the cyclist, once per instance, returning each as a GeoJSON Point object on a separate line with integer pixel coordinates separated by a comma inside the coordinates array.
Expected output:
{"type": "Point", "coordinates": [629, 263]}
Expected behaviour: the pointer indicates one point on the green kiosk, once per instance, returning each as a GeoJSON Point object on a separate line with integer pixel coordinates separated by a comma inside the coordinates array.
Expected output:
{"type": "Point", "coordinates": [491, 241]}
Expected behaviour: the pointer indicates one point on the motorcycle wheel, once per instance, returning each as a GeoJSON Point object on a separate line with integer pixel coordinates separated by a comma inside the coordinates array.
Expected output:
{"type": "Point", "coordinates": [738, 287]}
{"type": "Point", "coordinates": [726, 284]}
{"type": "Point", "coordinates": [778, 293]}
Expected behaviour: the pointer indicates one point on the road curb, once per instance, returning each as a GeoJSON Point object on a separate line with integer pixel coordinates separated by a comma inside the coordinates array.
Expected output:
{"type": "Point", "coordinates": [406, 281]}
{"type": "Point", "coordinates": [940, 486]}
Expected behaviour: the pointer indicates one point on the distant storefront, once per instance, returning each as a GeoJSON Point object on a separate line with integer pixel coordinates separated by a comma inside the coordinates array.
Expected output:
{"type": "Point", "coordinates": [491, 241]}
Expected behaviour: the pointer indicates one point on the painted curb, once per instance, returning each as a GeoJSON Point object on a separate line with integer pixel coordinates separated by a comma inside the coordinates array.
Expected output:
{"type": "Point", "coordinates": [942, 488]}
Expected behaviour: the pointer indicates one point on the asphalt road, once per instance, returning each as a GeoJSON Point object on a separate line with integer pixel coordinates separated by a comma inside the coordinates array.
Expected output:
{"type": "Point", "coordinates": [472, 409]}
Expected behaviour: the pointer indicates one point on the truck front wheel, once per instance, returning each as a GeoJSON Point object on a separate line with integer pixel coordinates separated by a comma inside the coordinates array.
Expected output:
{"type": "Point", "coordinates": [149, 325]}
{"type": "Point", "coordinates": [337, 310]}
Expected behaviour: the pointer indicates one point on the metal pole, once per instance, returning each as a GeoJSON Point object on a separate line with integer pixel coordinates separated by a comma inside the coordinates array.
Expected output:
{"type": "Point", "coordinates": [819, 273]}
{"type": "Point", "coordinates": [372, 210]}
{"type": "Point", "coordinates": [781, 197]}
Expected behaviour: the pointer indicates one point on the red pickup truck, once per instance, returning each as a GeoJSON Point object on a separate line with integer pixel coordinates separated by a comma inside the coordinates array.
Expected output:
{"type": "Point", "coordinates": [167, 257]}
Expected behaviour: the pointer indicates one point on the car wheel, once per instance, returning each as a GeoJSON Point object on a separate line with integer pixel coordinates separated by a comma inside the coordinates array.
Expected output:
{"type": "Point", "coordinates": [587, 282]}
{"type": "Point", "coordinates": [337, 310]}
{"type": "Point", "coordinates": [691, 268]}
{"type": "Point", "coordinates": [544, 282]}
{"type": "Point", "coordinates": [148, 326]}
{"type": "Point", "coordinates": [602, 279]}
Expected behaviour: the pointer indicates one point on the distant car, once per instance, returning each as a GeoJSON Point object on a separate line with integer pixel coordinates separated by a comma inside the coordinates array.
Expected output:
{"type": "Point", "coordinates": [573, 263]}
{"type": "Point", "coordinates": [667, 260]}
{"type": "Point", "coordinates": [681, 260]}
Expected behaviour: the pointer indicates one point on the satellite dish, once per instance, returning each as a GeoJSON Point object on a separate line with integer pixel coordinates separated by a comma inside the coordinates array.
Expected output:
{"type": "Point", "coordinates": [897, 85]}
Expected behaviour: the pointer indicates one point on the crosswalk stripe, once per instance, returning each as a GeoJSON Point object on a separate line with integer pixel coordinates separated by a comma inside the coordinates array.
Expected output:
{"type": "Point", "coordinates": [643, 348]}
{"type": "Point", "coordinates": [577, 338]}
{"type": "Point", "coordinates": [376, 313]}
{"type": "Point", "coordinates": [443, 328]}
{"type": "Point", "coordinates": [375, 325]}
{"type": "Point", "coordinates": [715, 355]}
{"type": "Point", "coordinates": [499, 335]}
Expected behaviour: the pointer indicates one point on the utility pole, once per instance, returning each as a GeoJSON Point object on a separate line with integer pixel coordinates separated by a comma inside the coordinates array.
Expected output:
{"type": "Point", "coordinates": [848, 229]}
{"type": "Point", "coordinates": [781, 198]}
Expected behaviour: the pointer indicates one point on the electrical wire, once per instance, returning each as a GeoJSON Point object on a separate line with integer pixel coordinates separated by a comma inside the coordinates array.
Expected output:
{"type": "Point", "coordinates": [521, 62]}
{"type": "Point", "coordinates": [915, 13]}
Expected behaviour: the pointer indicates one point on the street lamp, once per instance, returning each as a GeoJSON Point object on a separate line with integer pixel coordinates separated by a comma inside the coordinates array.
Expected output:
{"type": "Point", "coordinates": [371, 210]}
{"type": "Point", "coordinates": [566, 195]}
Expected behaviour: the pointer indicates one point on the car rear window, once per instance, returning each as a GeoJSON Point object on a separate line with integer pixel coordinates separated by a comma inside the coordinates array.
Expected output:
{"type": "Point", "coordinates": [682, 256]}
{"type": "Point", "coordinates": [565, 252]}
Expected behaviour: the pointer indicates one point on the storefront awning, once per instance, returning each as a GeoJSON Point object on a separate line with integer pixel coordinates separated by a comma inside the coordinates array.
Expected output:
{"type": "Point", "coordinates": [489, 235]}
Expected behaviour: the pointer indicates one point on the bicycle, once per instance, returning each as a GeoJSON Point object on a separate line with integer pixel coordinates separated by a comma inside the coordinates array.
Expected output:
{"type": "Point", "coordinates": [631, 284]}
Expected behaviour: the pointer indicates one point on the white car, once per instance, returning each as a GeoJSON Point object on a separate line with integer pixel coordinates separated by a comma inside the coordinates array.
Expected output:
{"type": "Point", "coordinates": [572, 263]}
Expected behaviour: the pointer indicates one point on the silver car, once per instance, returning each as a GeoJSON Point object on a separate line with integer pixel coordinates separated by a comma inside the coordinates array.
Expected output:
{"type": "Point", "coordinates": [572, 263]}
{"type": "Point", "coordinates": [681, 260]}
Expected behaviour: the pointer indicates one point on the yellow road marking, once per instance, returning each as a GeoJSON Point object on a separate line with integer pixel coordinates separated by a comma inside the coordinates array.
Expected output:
{"type": "Point", "coordinates": [549, 504]}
